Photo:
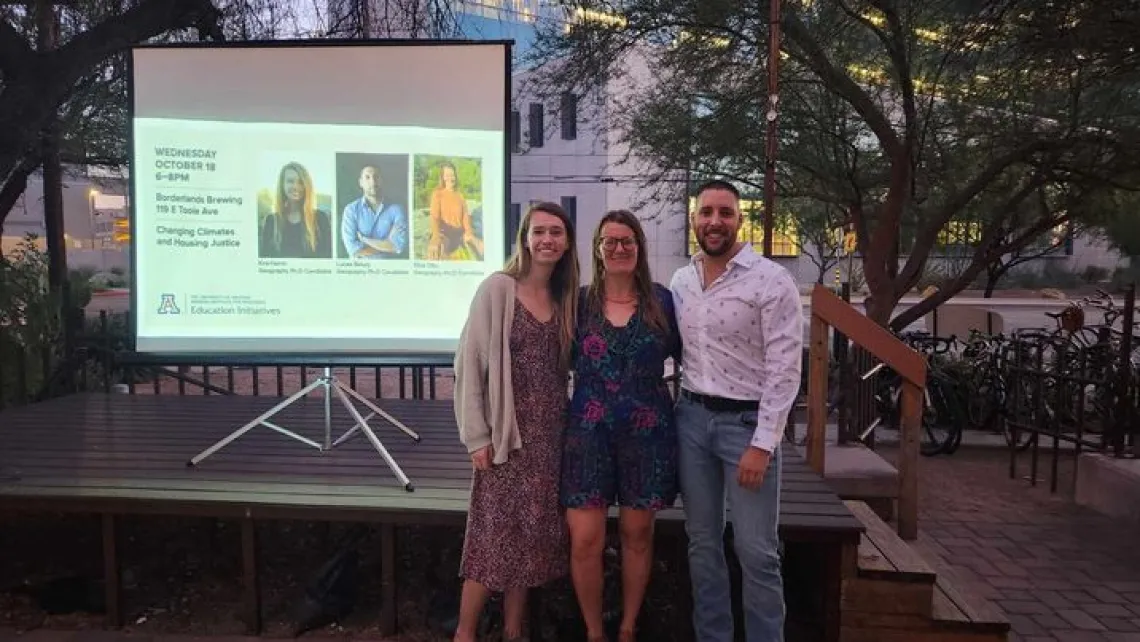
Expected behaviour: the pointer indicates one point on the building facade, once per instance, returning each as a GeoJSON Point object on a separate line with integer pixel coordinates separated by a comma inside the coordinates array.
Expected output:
{"type": "Point", "coordinates": [95, 220]}
{"type": "Point", "coordinates": [471, 19]}
{"type": "Point", "coordinates": [568, 151]}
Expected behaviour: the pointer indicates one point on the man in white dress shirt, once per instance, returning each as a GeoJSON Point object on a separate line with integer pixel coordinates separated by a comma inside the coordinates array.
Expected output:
{"type": "Point", "coordinates": [741, 321]}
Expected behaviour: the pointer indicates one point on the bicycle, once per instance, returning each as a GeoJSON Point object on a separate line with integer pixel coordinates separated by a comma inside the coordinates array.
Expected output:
{"type": "Point", "coordinates": [941, 425]}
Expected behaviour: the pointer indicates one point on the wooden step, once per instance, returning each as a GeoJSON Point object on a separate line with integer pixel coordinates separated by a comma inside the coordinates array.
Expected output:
{"type": "Point", "coordinates": [954, 611]}
{"type": "Point", "coordinates": [895, 595]}
{"type": "Point", "coordinates": [891, 578]}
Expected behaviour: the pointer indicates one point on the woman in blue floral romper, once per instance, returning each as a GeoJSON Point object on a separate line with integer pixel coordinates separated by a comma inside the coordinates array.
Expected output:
{"type": "Point", "coordinates": [620, 444]}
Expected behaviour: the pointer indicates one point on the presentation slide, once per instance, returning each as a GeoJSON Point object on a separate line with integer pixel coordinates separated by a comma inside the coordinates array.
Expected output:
{"type": "Point", "coordinates": [315, 199]}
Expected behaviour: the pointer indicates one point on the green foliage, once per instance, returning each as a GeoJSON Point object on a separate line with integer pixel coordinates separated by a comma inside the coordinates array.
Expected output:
{"type": "Point", "coordinates": [30, 322]}
{"type": "Point", "coordinates": [29, 312]}
{"type": "Point", "coordinates": [1119, 219]}
{"type": "Point", "coordinates": [426, 178]}
{"type": "Point", "coordinates": [116, 277]}
{"type": "Point", "coordinates": [916, 120]}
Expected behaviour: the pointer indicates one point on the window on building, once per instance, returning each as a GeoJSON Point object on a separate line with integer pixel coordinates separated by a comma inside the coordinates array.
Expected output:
{"type": "Point", "coordinates": [958, 238]}
{"type": "Point", "coordinates": [569, 114]}
{"type": "Point", "coordinates": [570, 204]}
{"type": "Point", "coordinates": [516, 131]}
{"type": "Point", "coordinates": [535, 125]}
{"type": "Point", "coordinates": [513, 223]}
{"type": "Point", "coordinates": [785, 236]}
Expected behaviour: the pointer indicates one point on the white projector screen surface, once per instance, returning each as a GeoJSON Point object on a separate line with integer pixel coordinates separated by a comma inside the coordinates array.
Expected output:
{"type": "Point", "coordinates": [315, 199]}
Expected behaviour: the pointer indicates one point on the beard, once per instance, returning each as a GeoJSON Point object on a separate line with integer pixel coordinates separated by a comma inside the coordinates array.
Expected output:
{"type": "Point", "coordinates": [718, 248]}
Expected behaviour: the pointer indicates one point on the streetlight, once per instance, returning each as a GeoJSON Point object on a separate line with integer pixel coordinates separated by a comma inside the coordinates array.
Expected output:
{"type": "Point", "coordinates": [93, 213]}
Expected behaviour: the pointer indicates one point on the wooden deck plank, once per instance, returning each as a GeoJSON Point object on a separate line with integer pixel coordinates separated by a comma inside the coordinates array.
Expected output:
{"type": "Point", "coordinates": [107, 449]}
{"type": "Point", "coordinates": [908, 564]}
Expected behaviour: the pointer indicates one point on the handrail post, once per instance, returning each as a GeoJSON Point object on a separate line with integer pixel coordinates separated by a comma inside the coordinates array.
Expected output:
{"type": "Point", "coordinates": [910, 425]}
{"type": "Point", "coordinates": [818, 357]}
{"type": "Point", "coordinates": [829, 311]}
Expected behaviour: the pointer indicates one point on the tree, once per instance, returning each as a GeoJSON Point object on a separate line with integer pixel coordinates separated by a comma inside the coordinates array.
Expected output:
{"type": "Point", "coordinates": [913, 118]}
{"type": "Point", "coordinates": [40, 88]}
{"type": "Point", "coordinates": [83, 83]}
{"type": "Point", "coordinates": [390, 19]}
{"type": "Point", "coordinates": [818, 231]}
{"type": "Point", "coordinates": [1118, 223]}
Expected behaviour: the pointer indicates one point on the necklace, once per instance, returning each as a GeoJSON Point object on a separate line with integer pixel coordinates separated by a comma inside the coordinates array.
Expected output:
{"type": "Point", "coordinates": [621, 301]}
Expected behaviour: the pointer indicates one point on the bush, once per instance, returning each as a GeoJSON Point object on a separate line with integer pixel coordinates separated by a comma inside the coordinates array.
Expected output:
{"type": "Point", "coordinates": [31, 321]}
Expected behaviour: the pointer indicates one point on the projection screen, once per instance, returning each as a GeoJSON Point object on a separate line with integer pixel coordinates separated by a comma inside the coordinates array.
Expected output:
{"type": "Point", "coordinates": [315, 198]}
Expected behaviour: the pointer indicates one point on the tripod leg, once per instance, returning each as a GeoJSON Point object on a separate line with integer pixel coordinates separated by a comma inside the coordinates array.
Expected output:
{"type": "Point", "coordinates": [363, 425]}
{"type": "Point", "coordinates": [351, 431]}
{"type": "Point", "coordinates": [259, 420]}
{"type": "Point", "coordinates": [395, 422]}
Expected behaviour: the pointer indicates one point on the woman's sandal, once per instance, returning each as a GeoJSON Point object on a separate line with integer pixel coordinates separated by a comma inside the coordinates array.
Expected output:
{"type": "Point", "coordinates": [627, 636]}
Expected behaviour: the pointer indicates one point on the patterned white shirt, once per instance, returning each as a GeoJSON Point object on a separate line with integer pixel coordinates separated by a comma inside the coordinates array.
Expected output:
{"type": "Point", "coordinates": [743, 337]}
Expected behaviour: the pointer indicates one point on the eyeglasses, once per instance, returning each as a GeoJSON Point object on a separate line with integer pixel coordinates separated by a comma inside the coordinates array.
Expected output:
{"type": "Point", "coordinates": [610, 243]}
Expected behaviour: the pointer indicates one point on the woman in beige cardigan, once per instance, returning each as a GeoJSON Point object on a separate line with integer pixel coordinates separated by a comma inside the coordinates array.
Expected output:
{"type": "Point", "coordinates": [511, 375]}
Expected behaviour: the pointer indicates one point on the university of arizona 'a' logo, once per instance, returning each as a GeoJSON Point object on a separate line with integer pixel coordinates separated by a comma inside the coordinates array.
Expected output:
{"type": "Point", "coordinates": [168, 306]}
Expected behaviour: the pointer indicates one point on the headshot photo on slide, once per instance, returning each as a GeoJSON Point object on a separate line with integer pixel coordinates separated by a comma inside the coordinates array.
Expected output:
{"type": "Point", "coordinates": [293, 205]}
{"type": "Point", "coordinates": [372, 206]}
{"type": "Point", "coordinates": [448, 208]}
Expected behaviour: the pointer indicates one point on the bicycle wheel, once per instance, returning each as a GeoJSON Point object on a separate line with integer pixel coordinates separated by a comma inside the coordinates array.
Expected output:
{"type": "Point", "coordinates": [941, 431]}
{"type": "Point", "coordinates": [997, 418]}
{"type": "Point", "coordinates": [979, 408]}
{"type": "Point", "coordinates": [956, 415]}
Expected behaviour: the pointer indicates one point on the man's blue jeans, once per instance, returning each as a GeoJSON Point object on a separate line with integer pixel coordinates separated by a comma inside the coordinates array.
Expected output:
{"type": "Point", "coordinates": [711, 444]}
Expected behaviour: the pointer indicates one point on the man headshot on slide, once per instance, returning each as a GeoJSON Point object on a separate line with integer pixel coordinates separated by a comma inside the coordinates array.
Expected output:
{"type": "Point", "coordinates": [371, 228]}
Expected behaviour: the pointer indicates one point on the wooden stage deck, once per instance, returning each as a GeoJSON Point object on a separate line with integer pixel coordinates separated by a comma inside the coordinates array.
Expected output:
{"type": "Point", "coordinates": [127, 454]}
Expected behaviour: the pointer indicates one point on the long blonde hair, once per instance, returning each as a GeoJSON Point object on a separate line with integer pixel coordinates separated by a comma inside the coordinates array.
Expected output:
{"type": "Point", "coordinates": [308, 206]}
{"type": "Point", "coordinates": [563, 281]}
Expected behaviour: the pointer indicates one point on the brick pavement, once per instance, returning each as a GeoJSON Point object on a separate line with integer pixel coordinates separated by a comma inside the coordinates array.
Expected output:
{"type": "Point", "coordinates": [1060, 572]}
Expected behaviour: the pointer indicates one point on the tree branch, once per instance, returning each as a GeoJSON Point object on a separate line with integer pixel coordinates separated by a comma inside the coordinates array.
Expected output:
{"type": "Point", "coordinates": [815, 58]}
{"type": "Point", "coordinates": [15, 183]}
{"type": "Point", "coordinates": [14, 51]}
{"type": "Point", "coordinates": [140, 23]}
{"type": "Point", "coordinates": [918, 310]}
{"type": "Point", "coordinates": [30, 101]}
{"type": "Point", "coordinates": [925, 239]}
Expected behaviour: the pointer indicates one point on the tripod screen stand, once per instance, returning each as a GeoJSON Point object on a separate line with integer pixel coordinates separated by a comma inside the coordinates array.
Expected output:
{"type": "Point", "coordinates": [331, 385]}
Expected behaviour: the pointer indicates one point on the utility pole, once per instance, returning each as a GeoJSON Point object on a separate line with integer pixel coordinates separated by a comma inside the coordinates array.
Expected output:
{"type": "Point", "coordinates": [770, 143]}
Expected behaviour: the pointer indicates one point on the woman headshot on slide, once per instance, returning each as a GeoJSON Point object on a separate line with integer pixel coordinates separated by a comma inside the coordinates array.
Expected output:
{"type": "Point", "coordinates": [452, 237]}
{"type": "Point", "coordinates": [621, 440]}
{"type": "Point", "coordinates": [296, 229]}
{"type": "Point", "coordinates": [511, 375]}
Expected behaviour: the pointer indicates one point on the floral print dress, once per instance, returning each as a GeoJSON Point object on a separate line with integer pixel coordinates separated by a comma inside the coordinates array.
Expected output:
{"type": "Point", "coordinates": [620, 445]}
{"type": "Point", "coordinates": [516, 531]}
